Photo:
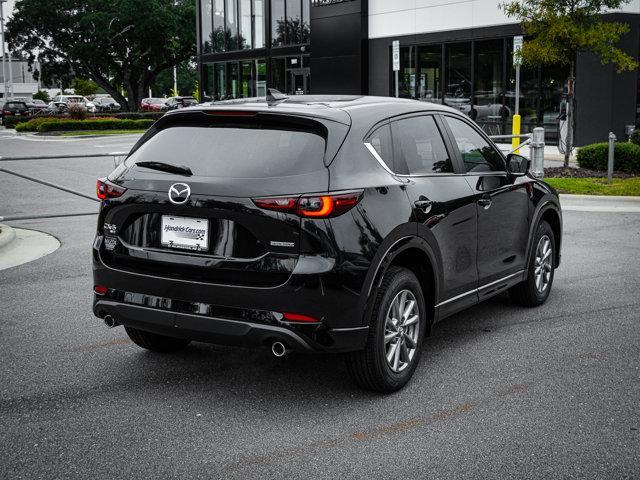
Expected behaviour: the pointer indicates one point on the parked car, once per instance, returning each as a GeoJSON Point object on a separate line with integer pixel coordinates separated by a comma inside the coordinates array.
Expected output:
{"type": "Point", "coordinates": [106, 104]}
{"type": "Point", "coordinates": [75, 100]}
{"type": "Point", "coordinates": [36, 106]}
{"type": "Point", "coordinates": [153, 105]}
{"type": "Point", "coordinates": [174, 103]}
{"type": "Point", "coordinates": [318, 224]}
{"type": "Point", "coordinates": [13, 108]}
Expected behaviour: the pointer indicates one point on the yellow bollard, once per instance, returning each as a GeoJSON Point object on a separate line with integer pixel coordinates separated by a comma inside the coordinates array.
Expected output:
{"type": "Point", "coordinates": [515, 131]}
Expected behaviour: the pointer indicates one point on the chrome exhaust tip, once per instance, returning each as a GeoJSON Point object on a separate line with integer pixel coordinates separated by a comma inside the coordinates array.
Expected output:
{"type": "Point", "coordinates": [110, 322]}
{"type": "Point", "coordinates": [279, 349]}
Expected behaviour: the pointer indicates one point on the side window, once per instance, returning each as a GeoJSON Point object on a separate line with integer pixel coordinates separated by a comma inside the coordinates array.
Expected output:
{"type": "Point", "coordinates": [420, 146]}
{"type": "Point", "coordinates": [380, 140]}
{"type": "Point", "coordinates": [477, 154]}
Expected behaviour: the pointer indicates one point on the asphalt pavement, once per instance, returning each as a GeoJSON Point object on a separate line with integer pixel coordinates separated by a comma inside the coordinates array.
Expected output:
{"type": "Point", "coordinates": [501, 392]}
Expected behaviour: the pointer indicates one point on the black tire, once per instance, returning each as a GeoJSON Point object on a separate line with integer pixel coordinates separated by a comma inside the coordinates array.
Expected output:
{"type": "Point", "coordinates": [369, 368]}
{"type": "Point", "coordinates": [155, 342]}
{"type": "Point", "coordinates": [527, 293]}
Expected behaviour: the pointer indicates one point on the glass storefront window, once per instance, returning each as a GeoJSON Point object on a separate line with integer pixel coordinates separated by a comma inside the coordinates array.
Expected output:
{"type": "Point", "coordinates": [258, 22]}
{"type": "Point", "coordinates": [306, 22]}
{"type": "Point", "coordinates": [407, 74]}
{"type": "Point", "coordinates": [278, 74]}
{"type": "Point", "coordinates": [488, 94]}
{"type": "Point", "coordinates": [208, 90]}
{"type": "Point", "coordinates": [294, 22]}
{"type": "Point", "coordinates": [218, 34]}
{"type": "Point", "coordinates": [278, 23]}
{"type": "Point", "coordinates": [457, 93]}
{"type": "Point", "coordinates": [244, 13]}
{"type": "Point", "coordinates": [261, 78]}
{"type": "Point", "coordinates": [206, 20]}
{"type": "Point", "coordinates": [429, 73]}
{"type": "Point", "coordinates": [246, 83]}
{"type": "Point", "coordinates": [220, 76]}
{"type": "Point", "coordinates": [233, 80]}
{"type": "Point", "coordinates": [231, 24]}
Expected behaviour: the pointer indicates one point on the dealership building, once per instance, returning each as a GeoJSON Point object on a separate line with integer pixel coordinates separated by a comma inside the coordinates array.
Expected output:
{"type": "Point", "coordinates": [459, 53]}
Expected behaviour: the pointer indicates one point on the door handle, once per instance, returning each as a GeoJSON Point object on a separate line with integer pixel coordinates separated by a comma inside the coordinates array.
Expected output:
{"type": "Point", "coordinates": [485, 202]}
{"type": "Point", "coordinates": [424, 205]}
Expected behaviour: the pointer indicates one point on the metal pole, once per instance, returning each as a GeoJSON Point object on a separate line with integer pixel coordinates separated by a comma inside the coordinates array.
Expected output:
{"type": "Point", "coordinates": [517, 112]}
{"type": "Point", "coordinates": [612, 148]}
{"type": "Point", "coordinates": [537, 152]}
{"type": "Point", "coordinates": [4, 68]}
{"type": "Point", "coordinates": [10, 73]}
{"type": "Point", "coordinates": [397, 85]}
{"type": "Point", "coordinates": [175, 80]}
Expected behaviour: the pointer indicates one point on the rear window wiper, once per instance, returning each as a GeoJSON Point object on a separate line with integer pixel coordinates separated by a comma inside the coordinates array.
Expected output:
{"type": "Point", "coordinates": [166, 167]}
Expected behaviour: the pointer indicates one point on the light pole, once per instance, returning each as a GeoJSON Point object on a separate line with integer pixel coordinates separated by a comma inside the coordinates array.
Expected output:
{"type": "Point", "coordinates": [4, 68]}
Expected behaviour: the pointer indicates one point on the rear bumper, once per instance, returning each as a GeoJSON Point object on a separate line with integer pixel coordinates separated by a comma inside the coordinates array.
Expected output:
{"type": "Point", "coordinates": [236, 315]}
{"type": "Point", "coordinates": [224, 331]}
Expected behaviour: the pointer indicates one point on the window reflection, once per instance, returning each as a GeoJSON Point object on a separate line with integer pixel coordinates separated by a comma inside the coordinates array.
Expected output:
{"type": "Point", "coordinates": [206, 19]}
{"type": "Point", "coordinates": [244, 14]}
{"type": "Point", "coordinates": [457, 92]}
{"type": "Point", "coordinates": [488, 109]}
{"type": "Point", "coordinates": [429, 68]}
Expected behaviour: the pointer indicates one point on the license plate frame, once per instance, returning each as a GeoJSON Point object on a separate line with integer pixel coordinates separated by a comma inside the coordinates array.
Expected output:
{"type": "Point", "coordinates": [184, 233]}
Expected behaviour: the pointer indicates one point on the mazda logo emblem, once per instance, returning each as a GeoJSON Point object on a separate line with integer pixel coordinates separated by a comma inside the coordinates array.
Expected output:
{"type": "Point", "coordinates": [179, 193]}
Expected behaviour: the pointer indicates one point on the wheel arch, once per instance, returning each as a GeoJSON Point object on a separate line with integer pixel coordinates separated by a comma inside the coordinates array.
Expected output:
{"type": "Point", "coordinates": [415, 254]}
{"type": "Point", "coordinates": [549, 212]}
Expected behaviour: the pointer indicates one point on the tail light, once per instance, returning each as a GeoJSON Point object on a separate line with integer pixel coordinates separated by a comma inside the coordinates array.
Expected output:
{"type": "Point", "coordinates": [106, 190]}
{"type": "Point", "coordinates": [312, 206]}
{"type": "Point", "coordinates": [100, 289]}
{"type": "Point", "coordinates": [7, 112]}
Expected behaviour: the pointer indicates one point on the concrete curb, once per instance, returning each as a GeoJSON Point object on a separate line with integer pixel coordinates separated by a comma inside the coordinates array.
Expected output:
{"type": "Point", "coordinates": [7, 235]}
{"type": "Point", "coordinates": [600, 203]}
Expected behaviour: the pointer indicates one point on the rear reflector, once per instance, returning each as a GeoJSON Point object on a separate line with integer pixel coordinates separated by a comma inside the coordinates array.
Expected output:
{"type": "Point", "coordinates": [296, 317]}
{"type": "Point", "coordinates": [100, 289]}
{"type": "Point", "coordinates": [106, 190]}
{"type": "Point", "coordinates": [312, 206]}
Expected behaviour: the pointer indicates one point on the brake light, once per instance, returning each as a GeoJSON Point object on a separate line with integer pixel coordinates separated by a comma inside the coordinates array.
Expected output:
{"type": "Point", "coordinates": [7, 112]}
{"type": "Point", "coordinates": [231, 113]}
{"type": "Point", "coordinates": [106, 190]}
{"type": "Point", "coordinates": [296, 317]}
{"type": "Point", "coordinates": [312, 206]}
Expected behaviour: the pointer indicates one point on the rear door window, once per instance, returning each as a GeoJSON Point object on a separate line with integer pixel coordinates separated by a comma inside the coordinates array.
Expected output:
{"type": "Point", "coordinates": [420, 149]}
{"type": "Point", "coordinates": [247, 151]}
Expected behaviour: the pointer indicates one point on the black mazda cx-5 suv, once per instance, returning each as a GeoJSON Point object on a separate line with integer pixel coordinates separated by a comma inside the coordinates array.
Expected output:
{"type": "Point", "coordinates": [318, 224]}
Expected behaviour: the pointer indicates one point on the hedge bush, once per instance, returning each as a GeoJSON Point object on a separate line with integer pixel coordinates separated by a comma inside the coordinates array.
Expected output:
{"type": "Point", "coordinates": [596, 157]}
{"type": "Point", "coordinates": [44, 124]}
{"type": "Point", "coordinates": [635, 136]}
{"type": "Point", "coordinates": [12, 122]}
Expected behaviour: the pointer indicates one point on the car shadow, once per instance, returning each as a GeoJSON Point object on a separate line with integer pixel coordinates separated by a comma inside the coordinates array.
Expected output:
{"type": "Point", "coordinates": [317, 375]}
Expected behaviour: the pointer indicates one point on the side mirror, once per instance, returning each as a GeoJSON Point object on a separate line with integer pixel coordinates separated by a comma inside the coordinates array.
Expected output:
{"type": "Point", "coordinates": [517, 164]}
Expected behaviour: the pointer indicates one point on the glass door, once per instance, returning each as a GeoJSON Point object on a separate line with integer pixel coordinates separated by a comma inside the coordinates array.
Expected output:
{"type": "Point", "coordinates": [299, 81]}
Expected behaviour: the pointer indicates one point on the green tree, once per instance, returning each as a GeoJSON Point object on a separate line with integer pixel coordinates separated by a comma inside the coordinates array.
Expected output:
{"type": "Point", "coordinates": [84, 87]}
{"type": "Point", "coordinates": [42, 95]}
{"type": "Point", "coordinates": [557, 30]}
{"type": "Point", "coordinates": [113, 42]}
{"type": "Point", "coordinates": [187, 75]}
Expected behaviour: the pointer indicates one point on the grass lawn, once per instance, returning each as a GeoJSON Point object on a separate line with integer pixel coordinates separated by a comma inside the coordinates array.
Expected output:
{"type": "Point", "coordinates": [81, 133]}
{"type": "Point", "coordinates": [596, 186]}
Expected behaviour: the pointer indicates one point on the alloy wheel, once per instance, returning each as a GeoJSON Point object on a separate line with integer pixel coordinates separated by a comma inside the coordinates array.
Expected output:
{"type": "Point", "coordinates": [401, 331]}
{"type": "Point", "coordinates": [543, 264]}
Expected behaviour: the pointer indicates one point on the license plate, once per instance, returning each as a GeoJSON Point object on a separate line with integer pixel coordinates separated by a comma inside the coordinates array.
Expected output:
{"type": "Point", "coordinates": [185, 233]}
{"type": "Point", "coordinates": [17, 114]}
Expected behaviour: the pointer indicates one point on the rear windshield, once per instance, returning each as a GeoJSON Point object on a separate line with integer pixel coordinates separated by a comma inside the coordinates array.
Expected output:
{"type": "Point", "coordinates": [255, 151]}
{"type": "Point", "coordinates": [15, 105]}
